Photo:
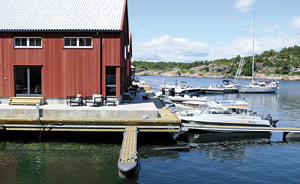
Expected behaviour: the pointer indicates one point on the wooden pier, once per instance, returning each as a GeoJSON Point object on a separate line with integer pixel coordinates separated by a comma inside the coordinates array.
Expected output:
{"type": "Point", "coordinates": [128, 162]}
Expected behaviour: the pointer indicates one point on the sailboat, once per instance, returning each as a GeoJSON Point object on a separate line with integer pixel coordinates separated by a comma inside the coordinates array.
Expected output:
{"type": "Point", "coordinates": [258, 86]}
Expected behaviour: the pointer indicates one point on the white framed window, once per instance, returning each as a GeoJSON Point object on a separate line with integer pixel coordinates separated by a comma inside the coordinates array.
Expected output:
{"type": "Point", "coordinates": [78, 42]}
{"type": "Point", "coordinates": [28, 42]}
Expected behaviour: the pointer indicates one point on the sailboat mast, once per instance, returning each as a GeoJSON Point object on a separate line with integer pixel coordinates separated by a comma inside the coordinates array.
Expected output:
{"type": "Point", "coordinates": [253, 48]}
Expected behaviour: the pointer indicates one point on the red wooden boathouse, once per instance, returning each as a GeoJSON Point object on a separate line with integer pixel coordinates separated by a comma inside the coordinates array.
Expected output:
{"type": "Point", "coordinates": [56, 48]}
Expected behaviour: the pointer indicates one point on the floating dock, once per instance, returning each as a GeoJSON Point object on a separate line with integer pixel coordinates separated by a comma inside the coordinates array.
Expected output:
{"type": "Point", "coordinates": [128, 161]}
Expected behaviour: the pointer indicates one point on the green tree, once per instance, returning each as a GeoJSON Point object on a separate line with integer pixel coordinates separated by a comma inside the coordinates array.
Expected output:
{"type": "Point", "coordinates": [277, 71]}
{"type": "Point", "coordinates": [247, 69]}
{"type": "Point", "coordinates": [285, 69]}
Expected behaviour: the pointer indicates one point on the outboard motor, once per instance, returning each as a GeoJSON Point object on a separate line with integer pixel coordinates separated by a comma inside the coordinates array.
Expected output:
{"type": "Point", "coordinates": [172, 92]}
{"type": "Point", "coordinates": [269, 118]}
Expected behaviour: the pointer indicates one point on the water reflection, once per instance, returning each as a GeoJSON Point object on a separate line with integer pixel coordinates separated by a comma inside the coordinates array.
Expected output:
{"type": "Point", "coordinates": [205, 137]}
{"type": "Point", "coordinates": [71, 158]}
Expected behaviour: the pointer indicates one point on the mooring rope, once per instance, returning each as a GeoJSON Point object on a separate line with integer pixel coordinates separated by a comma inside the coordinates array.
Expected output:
{"type": "Point", "coordinates": [131, 155]}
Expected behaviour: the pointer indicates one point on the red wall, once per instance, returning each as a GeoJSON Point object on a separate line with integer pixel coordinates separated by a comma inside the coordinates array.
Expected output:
{"type": "Point", "coordinates": [64, 71]}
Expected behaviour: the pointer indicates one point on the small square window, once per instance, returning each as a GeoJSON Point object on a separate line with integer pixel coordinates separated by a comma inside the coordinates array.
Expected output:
{"type": "Point", "coordinates": [38, 41]}
{"type": "Point", "coordinates": [88, 41]}
{"type": "Point", "coordinates": [23, 41]}
{"type": "Point", "coordinates": [74, 42]}
{"type": "Point", "coordinates": [67, 41]}
{"type": "Point", "coordinates": [32, 42]}
{"type": "Point", "coordinates": [82, 42]}
{"type": "Point", "coordinates": [17, 41]}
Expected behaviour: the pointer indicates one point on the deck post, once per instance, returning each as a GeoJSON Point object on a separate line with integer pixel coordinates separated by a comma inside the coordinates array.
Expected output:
{"type": "Point", "coordinates": [37, 104]}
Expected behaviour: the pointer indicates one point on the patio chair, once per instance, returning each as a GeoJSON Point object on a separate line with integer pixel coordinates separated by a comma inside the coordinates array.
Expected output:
{"type": "Point", "coordinates": [75, 99]}
{"type": "Point", "coordinates": [95, 99]}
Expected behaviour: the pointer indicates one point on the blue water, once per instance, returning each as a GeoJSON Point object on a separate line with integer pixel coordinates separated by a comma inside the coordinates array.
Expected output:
{"type": "Point", "coordinates": [92, 158]}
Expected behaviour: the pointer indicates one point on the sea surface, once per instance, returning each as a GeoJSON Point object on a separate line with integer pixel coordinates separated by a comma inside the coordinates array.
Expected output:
{"type": "Point", "coordinates": [47, 157]}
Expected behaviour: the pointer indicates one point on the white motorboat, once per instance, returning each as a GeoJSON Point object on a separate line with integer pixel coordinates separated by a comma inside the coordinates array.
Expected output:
{"type": "Point", "coordinates": [187, 98]}
{"type": "Point", "coordinates": [213, 89]}
{"type": "Point", "coordinates": [215, 113]}
{"type": "Point", "coordinates": [258, 86]}
{"type": "Point", "coordinates": [228, 87]}
{"type": "Point", "coordinates": [181, 89]}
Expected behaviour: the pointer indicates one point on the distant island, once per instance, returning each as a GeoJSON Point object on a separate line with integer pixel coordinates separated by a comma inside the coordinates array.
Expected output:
{"type": "Point", "coordinates": [272, 65]}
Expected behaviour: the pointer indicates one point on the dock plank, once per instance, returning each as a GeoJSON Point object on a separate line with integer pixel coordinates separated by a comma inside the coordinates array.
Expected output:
{"type": "Point", "coordinates": [129, 144]}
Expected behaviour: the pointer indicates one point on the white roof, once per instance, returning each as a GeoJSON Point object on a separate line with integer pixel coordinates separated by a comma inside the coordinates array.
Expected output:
{"type": "Point", "coordinates": [61, 15]}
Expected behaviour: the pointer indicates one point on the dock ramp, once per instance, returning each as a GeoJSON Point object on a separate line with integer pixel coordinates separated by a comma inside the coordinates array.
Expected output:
{"type": "Point", "coordinates": [128, 161]}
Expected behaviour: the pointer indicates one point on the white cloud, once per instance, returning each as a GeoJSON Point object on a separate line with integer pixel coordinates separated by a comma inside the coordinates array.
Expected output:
{"type": "Point", "coordinates": [294, 23]}
{"type": "Point", "coordinates": [166, 48]}
{"type": "Point", "coordinates": [146, 32]}
{"type": "Point", "coordinates": [244, 5]}
{"type": "Point", "coordinates": [221, 42]}
{"type": "Point", "coordinates": [271, 28]}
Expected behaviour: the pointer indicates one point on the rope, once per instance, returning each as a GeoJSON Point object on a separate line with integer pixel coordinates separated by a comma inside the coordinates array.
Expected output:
{"type": "Point", "coordinates": [131, 156]}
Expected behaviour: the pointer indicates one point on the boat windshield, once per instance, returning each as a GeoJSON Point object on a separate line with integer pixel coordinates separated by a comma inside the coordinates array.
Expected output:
{"type": "Point", "coordinates": [209, 110]}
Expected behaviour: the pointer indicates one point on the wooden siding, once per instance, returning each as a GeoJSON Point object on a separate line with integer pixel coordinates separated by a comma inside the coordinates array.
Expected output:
{"type": "Point", "coordinates": [65, 71]}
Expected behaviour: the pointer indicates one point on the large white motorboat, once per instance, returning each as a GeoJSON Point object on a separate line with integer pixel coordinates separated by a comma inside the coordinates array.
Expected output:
{"type": "Point", "coordinates": [231, 114]}
{"type": "Point", "coordinates": [259, 86]}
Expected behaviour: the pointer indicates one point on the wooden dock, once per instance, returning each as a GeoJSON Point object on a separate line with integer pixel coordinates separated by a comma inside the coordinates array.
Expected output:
{"type": "Point", "coordinates": [128, 161]}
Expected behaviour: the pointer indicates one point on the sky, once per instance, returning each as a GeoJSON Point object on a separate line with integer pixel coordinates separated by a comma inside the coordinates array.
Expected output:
{"type": "Point", "coordinates": [199, 30]}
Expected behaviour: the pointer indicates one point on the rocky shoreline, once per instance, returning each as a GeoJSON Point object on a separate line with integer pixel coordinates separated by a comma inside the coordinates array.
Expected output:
{"type": "Point", "coordinates": [202, 74]}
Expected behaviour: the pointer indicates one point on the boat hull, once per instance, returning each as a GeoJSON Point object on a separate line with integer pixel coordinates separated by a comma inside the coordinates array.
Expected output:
{"type": "Point", "coordinates": [254, 89]}
{"type": "Point", "coordinates": [224, 123]}
{"type": "Point", "coordinates": [230, 90]}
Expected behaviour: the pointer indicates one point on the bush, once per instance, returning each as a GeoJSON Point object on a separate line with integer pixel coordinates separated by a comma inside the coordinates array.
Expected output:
{"type": "Point", "coordinates": [204, 69]}
{"type": "Point", "coordinates": [277, 71]}
{"type": "Point", "coordinates": [279, 63]}
{"type": "Point", "coordinates": [183, 71]}
{"type": "Point", "coordinates": [192, 72]}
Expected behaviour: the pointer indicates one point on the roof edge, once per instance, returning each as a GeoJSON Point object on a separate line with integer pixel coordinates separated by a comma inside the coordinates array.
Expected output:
{"type": "Point", "coordinates": [59, 30]}
{"type": "Point", "coordinates": [123, 14]}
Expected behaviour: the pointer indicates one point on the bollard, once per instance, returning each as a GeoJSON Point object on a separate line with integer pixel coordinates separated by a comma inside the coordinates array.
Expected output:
{"type": "Point", "coordinates": [37, 109]}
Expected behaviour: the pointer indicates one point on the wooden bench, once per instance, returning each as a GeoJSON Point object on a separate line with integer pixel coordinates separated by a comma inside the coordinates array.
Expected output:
{"type": "Point", "coordinates": [127, 96]}
{"type": "Point", "coordinates": [26, 100]}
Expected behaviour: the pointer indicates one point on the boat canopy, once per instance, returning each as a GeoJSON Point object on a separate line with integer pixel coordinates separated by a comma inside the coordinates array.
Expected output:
{"type": "Point", "coordinates": [226, 82]}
